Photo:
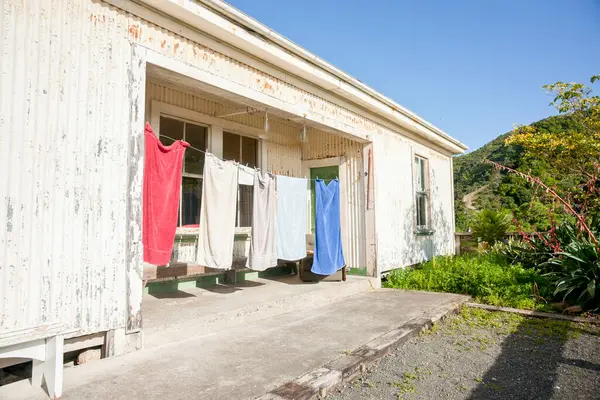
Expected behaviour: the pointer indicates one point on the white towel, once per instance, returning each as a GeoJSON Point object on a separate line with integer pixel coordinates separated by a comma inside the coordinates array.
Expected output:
{"type": "Point", "coordinates": [263, 250]}
{"type": "Point", "coordinates": [217, 213]}
{"type": "Point", "coordinates": [291, 218]}
{"type": "Point", "coordinates": [246, 176]}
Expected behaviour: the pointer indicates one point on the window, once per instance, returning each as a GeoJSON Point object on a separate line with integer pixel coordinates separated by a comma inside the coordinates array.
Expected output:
{"type": "Point", "coordinates": [193, 165]}
{"type": "Point", "coordinates": [245, 151]}
{"type": "Point", "coordinates": [422, 193]}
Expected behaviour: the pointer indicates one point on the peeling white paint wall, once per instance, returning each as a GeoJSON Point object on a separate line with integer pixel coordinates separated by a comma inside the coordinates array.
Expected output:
{"type": "Point", "coordinates": [64, 112]}
{"type": "Point", "coordinates": [397, 244]}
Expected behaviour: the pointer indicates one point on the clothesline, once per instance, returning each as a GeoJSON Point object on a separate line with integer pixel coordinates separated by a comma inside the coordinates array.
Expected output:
{"type": "Point", "coordinates": [222, 159]}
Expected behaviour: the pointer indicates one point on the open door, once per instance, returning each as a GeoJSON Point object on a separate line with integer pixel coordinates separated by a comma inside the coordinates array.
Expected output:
{"type": "Point", "coordinates": [327, 174]}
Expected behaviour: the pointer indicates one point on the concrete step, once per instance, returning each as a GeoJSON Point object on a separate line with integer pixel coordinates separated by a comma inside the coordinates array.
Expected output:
{"type": "Point", "coordinates": [202, 311]}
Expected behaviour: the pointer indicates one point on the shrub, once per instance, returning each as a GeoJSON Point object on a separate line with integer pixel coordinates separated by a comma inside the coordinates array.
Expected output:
{"type": "Point", "coordinates": [490, 226]}
{"type": "Point", "coordinates": [577, 274]}
{"type": "Point", "coordinates": [567, 257]}
{"type": "Point", "coordinates": [531, 253]}
{"type": "Point", "coordinates": [488, 277]}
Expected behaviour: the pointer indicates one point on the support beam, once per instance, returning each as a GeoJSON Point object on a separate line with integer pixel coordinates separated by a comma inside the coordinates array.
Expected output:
{"type": "Point", "coordinates": [134, 248]}
{"type": "Point", "coordinates": [370, 231]}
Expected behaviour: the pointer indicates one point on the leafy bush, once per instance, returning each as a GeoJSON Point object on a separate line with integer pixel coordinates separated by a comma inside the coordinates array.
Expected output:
{"type": "Point", "coordinates": [577, 274]}
{"type": "Point", "coordinates": [531, 253]}
{"type": "Point", "coordinates": [569, 260]}
{"type": "Point", "coordinates": [488, 277]}
{"type": "Point", "coordinates": [491, 226]}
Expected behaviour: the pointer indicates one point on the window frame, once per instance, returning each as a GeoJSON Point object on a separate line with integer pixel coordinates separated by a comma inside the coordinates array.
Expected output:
{"type": "Point", "coordinates": [242, 229]}
{"type": "Point", "coordinates": [242, 135]}
{"type": "Point", "coordinates": [183, 173]}
{"type": "Point", "coordinates": [422, 189]}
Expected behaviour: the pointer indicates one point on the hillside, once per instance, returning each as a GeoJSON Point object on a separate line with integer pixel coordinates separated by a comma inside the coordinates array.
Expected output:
{"type": "Point", "coordinates": [480, 186]}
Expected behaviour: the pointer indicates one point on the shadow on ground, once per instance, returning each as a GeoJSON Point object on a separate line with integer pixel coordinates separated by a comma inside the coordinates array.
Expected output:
{"type": "Point", "coordinates": [479, 354]}
{"type": "Point", "coordinates": [544, 360]}
{"type": "Point", "coordinates": [178, 294]}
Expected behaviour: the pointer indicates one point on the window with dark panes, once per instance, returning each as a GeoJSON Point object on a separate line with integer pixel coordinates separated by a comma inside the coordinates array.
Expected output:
{"type": "Point", "coordinates": [244, 150]}
{"type": "Point", "coordinates": [193, 165]}
{"type": "Point", "coordinates": [422, 193]}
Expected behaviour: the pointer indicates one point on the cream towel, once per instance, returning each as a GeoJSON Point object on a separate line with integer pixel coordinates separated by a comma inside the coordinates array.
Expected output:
{"type": "Point", "coordinates": [246, 176]}
{"type": "Point", "coordinates": [217, 213]}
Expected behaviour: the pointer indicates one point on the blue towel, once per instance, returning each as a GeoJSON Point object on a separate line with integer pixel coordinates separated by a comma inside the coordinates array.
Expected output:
{"type": "Point", "coordinates": [328, 241]}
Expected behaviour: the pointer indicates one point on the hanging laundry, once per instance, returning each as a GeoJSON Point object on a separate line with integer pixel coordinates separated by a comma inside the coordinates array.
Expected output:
{"type": "Point", "coordinates": [329, 256]}
{"type": "Point", "coordinates": [246, 175]}
{"type": "Point", "coordinates": [162, 186]}
{"type": "Point", "coordinates": [263, 248]}
{"type": "Point", "coordinates": [217, 213]}
{"type": "Point", "coordinates": [291, 218]}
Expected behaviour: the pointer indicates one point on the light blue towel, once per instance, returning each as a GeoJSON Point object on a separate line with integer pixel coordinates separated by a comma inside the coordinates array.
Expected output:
{"type": "Point", "coordinates": [291, 218]}
{"type": "Point", "coordinates": [328, 234]}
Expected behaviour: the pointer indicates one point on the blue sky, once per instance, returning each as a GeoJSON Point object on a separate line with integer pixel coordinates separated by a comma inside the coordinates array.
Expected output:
{"type": "Point", "coordinates": [471, 67]}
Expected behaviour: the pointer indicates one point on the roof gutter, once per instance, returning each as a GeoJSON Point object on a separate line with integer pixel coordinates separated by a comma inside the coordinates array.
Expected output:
{"type": "Point", "coordinates": [285, 55]}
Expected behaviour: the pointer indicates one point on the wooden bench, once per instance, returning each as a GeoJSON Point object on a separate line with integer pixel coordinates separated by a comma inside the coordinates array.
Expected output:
{"type": "Point", "coordinates": [44, 346]}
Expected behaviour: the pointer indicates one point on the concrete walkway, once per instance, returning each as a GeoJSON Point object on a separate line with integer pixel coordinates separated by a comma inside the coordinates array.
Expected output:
{"type": "Point", "coordinates": [201, 310]}
{"type": "Point", "coordinates": [249, 361]}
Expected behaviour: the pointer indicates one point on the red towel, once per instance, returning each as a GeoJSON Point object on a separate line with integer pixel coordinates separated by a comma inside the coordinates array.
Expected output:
{"type": "Point", "coordinates": [162, 185]}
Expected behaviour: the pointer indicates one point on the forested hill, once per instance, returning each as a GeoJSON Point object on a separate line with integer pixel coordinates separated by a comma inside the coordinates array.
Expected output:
{"type": "Point", "coordinates": [477, 185]}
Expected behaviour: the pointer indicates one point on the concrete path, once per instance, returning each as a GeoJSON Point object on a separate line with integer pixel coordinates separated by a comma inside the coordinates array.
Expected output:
{"type": "Point", "coordinates": [202, 310]}
{"type": "Point", "coordinates": [247, 362]}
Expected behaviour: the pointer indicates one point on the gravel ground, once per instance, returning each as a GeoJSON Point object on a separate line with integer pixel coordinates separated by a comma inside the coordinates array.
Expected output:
{"type": "Point", "coordinates": [488, 355]}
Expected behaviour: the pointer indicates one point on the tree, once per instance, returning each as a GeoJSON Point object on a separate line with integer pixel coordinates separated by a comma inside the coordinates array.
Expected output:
{"type": "Point", "coordinates": [575, 149]}
{"type": "Point", "coordinates": [572, 147]}
{"type": "Point", "coordinates": [491, 226]}
{"type": "Point", "coordinates": [565, 174]}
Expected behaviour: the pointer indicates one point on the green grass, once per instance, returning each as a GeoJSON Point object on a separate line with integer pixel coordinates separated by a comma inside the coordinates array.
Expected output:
{"type": "Point", "coordinates": [474, 329]}
{"type": "Point", "coordinates": [470, 320]}
{"type": "Point", "coordinates": [488, 277]}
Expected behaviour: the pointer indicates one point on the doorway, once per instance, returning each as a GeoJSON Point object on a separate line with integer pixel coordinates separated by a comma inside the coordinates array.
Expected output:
{"type": "Point", "coordinates": [328, 174]}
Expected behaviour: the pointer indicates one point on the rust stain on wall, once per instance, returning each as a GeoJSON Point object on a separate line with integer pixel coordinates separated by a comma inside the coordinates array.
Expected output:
{"type": "Point", "coordinates": [135, 31]}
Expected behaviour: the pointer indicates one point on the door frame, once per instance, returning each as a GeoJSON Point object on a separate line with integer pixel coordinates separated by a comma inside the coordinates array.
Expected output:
{"type": "Point", "coordinates": [328, 162]}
